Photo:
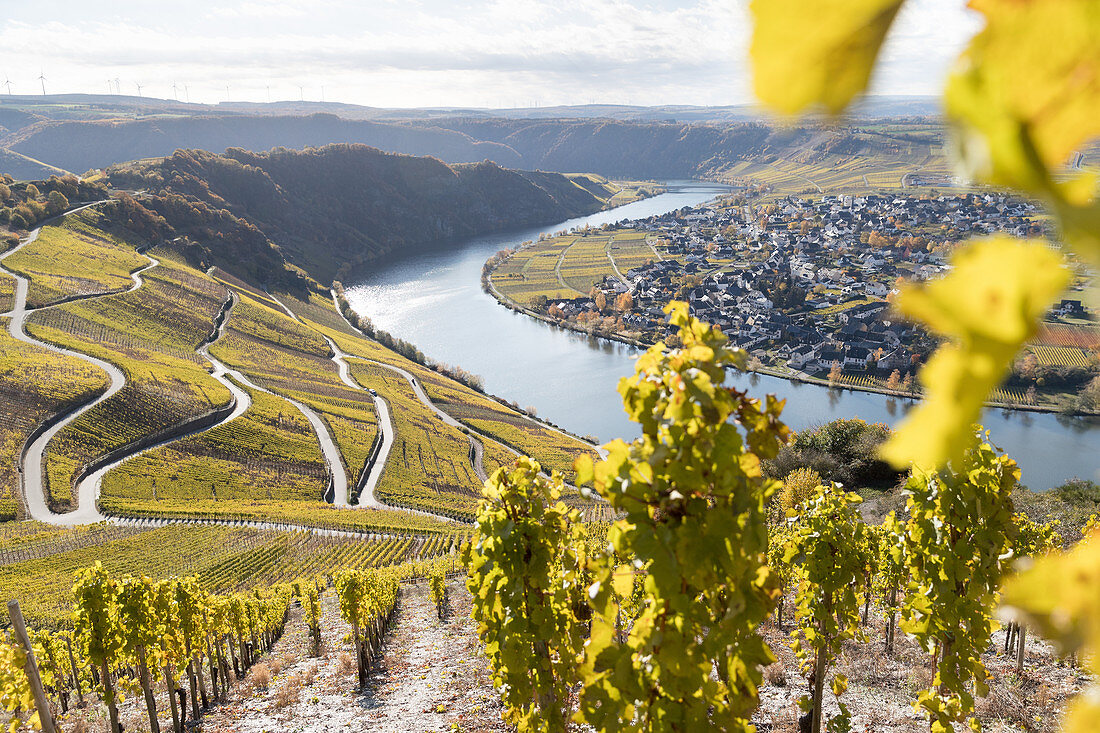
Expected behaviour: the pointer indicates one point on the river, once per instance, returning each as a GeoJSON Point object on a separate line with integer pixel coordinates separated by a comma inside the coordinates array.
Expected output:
{"type": "Point", "coordinates": [434, 299]}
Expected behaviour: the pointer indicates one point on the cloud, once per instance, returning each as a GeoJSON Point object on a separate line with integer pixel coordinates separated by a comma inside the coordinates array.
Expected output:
{"type": "Point", "coordinates": [431, 52]}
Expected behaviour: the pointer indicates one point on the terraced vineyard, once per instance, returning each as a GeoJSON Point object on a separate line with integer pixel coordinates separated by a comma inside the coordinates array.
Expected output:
{"type": "Point", "coordinates": [551, 448]}
{"type": "Point", "coordinates": [76, 257]}
{"type": "Point", "coordinates": [292, 359]}
{"type": "Point", "coordinates": [283, 423]}
{"type": "Point", "coordinates": [269, 452]}
{"type": "Point", "coordinates": [151, 334]}
{"type": "Point", "coordinates": [35, 383]}
{"type": "Point", "coordinates": [429, 467]}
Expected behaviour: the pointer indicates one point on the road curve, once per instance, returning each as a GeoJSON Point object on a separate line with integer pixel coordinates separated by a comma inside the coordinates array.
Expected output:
{"type": "Point", "coordinates": [89, 487]}
{"type": "Point", "coordinates": [369, 483]}
{"type": "Point", "coordinates": [31, 463]}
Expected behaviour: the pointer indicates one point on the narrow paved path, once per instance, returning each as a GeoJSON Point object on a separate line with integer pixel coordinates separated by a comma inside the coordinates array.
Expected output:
{"type": "Point", "coordinates": [90, 486]}
{"type": "Point", "coordinates": [33, 458]}
{"type": "Point", "coordinates": [369, 482]}
{"type": "Point", "coordinates": [421, 395]}
{"type": "Point", "coordinates": [614, 264]}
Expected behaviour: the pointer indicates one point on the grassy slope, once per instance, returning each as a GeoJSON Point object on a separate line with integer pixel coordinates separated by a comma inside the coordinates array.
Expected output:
{"type": "Point", "coordinates": [74, 257]}
{"type": "Point", "coordinates": [151, 334]}
{"type": "Point", "coordinates": [34, 384]}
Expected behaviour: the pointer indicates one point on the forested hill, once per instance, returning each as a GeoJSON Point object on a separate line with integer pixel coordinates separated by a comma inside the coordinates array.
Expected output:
{"type": "Point", "coordinates": [79, 146]}
{"type": "Point", "coordinates": [615, 148]}
{"type": "Point", "coordinates": [327, 210]}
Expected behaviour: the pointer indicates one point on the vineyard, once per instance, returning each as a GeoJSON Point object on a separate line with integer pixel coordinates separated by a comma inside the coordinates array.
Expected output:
{"type": "Point", "coordinates": [176, 640]}
{"type": "Point", "coordinates": [221, 558]}
{"type": "Point", "coordinates": [826, 589]}
{"type": "Point", "coordinates": [74, 258]}
{"type": "Point", "coordinates": [34, 384]}
{"type": "Point", "coordinates": [1063, 356]}
{"type": "Point", "coordinates": [166, 384]}
{"type": "Point", "coordinates": [269, 452]}
{"type": "Point", "coordinates": [429, 466]}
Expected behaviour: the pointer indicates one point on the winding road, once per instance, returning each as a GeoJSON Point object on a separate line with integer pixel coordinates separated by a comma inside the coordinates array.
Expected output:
{"type": "Point", "coordinates": [89, 487]}
{"type": "Point", "coordinates": [33, 458]}
{"type": "Point", "coordinates": [369, 482]}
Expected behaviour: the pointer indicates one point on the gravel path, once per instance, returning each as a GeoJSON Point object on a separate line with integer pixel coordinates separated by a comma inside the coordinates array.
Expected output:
{"type": "Point", "coordinates": [432, 677]}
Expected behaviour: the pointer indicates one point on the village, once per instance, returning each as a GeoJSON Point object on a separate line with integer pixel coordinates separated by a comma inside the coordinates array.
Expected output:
{"type": "Point", "coordinates": [804, 284]}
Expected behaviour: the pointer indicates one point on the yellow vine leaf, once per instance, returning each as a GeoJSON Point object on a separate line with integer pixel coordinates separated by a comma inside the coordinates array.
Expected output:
{"type": "Point", "coordinates": [811, 52]}
{"type": "Point", "coordinates": [1057, 596]}
{"type": "Point", "coordinates": [1025, 97]}
{"type": "Point", "coordinates": [986, 308]}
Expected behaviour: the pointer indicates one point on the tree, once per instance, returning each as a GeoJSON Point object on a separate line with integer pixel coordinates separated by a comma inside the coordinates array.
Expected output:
{"type": "Point", "coordinates": [31, 192]}
{"type": "Point", "coordinates": [56, 203]}
{"type": "Point", "coordinates": [835, 373]}
{"type": "Point", "coordinates": [624, 303]}
{"type": "Point", "coordinates": [601, 301]}
{"type": "Point", "coordinates": [525, 574]}
{"type": "Point", "coordinates": [831, 555]}
{"type": "Point", "coordinates": [695, 504]}
{"type": "Point", "coordinates": [799, 486]}
{"type": "Point", "coordinates": [893, 382]}
{"type": "Point", "coordinates": [956, 544]}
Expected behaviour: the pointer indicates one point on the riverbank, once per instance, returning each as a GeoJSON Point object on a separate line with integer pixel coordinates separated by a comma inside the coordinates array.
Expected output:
{"type": "Point", "coordinates": [488, 286]}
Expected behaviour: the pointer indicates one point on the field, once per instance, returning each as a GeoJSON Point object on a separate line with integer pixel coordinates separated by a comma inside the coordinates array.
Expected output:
{"type": "Point", "coordinates": [73, 258]}
{"type": "Point", "coordinates": [150, 334]}
{"type": "Point", "coordinates": [1061, 334]}
{"type": "Point", "coordinates": [429, 466]}
{"type": "Point", "coordinates": [34, 384]}
{"type": "Point", "coordinates": [1062, 356]}
{"type": "Point", "coordinates": [533, 272]}
{"type": "Point", "coordinates": [221, 558]}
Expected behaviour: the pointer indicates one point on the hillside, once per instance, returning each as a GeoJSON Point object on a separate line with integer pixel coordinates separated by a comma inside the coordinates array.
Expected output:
{"type": "Point", "coordinates": [632, 148]}
{"type": "Point", "coordinates": [328, 210]}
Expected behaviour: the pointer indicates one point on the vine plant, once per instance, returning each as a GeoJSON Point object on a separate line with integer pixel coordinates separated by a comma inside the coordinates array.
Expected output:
{"type": "Point", "coordinates": [831, 555]}
{"type": "Point", "coordinates": [695, 518]}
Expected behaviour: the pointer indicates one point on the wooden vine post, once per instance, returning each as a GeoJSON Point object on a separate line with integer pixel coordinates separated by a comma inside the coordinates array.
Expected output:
{"type": "Point", "coordinates": [45, 717]}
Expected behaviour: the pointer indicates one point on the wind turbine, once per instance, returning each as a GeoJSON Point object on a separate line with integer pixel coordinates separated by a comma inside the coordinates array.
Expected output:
{"type": "Point", "coordinates": [175, 93]}
{"type": "Point", "coordinates": [118, 86]}
{"type": "Point", "coordinates": [301, 93]}
{"type": "Point", "coordinates": [227, 92]}
{"type": "Point", "coordinates": [138, 85]}
{"type": "Point", "coordinates": [269, 92]}
{"type": "Point", "coordinates": [42, 78]}
{"type": "Point", "coordinates": [187, 93]}
{"type": "Point", "coordinates": [7, 83]}
{"type": "Point", "coordinates": [110, 87]}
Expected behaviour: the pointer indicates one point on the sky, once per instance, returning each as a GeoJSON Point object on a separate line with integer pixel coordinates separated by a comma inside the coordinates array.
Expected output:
{"type": "Point", "coordinates": [426, 53]}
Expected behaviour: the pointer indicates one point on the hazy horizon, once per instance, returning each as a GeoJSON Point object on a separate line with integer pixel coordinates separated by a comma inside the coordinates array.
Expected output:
{"type": "Point", "coordinates": [429, 53]}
